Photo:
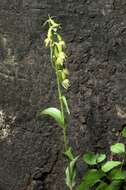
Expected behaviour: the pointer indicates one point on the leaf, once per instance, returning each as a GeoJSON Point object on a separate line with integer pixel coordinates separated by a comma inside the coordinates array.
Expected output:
{"type": "Point", "coordinates": [90, 158]}
{"type": "Point", "coordinates": [124, 132]}
{"type": "Point", "coordinates": [92, 177]}
{"type": "Point", "coordinates": [100, 157]}
{"type": "Point", "coordinates": [115, 185]}
{"type": "Point", "coordinates": [118, 148]}
{"type": "Point", "coordinates": [71, 173]}
{"type": "Point", "coordinates": [117, 174]}
{"type": "Point", "coordinates": [102, 186]}
{"type": "Point", "coordinates": [55, 114]}
{"type": "Point", "coordinates": [65, 104]}
{"type": "Point", "coordinates": [69, 153]}
{"type": "Point", "coordinates": [110, 165]}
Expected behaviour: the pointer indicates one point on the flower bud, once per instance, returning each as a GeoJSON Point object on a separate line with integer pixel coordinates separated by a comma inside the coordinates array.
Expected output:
{"type": "Point", "coordinates": [61, 58]}
{"type": "Point", "coordinates": [47, 41]}
{"type": "Point", "coordinates": [63, 76]}
{"type": "Point", "coordinates": [66, 83]}
{"type": "Point", "coordinates": [65, 71]}
{"type": "Point", "coordinates": [62, 43]}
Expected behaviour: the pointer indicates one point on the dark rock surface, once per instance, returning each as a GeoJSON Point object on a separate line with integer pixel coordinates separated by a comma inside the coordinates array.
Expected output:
{"type": "Point", "coordinates": [95, 33]}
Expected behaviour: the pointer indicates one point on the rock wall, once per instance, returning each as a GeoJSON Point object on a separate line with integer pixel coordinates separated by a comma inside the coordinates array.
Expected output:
{"type": "Point", "coordinates": [95, 33]}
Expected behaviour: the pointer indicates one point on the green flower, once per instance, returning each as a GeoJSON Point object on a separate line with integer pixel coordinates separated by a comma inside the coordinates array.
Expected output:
{"type": "Point", "coordinates": [47, 41]}
{"type": "Point", "coordinates": [66, 83]}
{"type": "Point", "coordinates": [61, 58]}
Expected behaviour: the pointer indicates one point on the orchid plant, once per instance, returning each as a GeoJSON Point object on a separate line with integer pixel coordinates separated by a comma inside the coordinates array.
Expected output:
{"type": "Point", "coordinates": [56, 45]}
{"type": "Point", "coordinates": [102, 173]}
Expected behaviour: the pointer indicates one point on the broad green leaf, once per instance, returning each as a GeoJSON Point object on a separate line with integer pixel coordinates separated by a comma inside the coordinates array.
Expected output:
{"type": "Point", "coordinates": [92, 177]}
{"type": "Point", "coordinates": [65, 104]}
{"type": "Point", "coordinates": [93, 159]}
{"type": "Point", "coordinates": [118, 148]}
{"type": "Point", "coordinates": [117, 174]}
{"type": "Point", "coordinates": [110, 165]}
{"type": "Point", "coordinates": [115, 185]}
{"type": "Point", "coordinates": [55, 114]}
{"type": "Point", "coordinates": [69, 153]}
{"type": "Point", "coordinates": [83, 186]}
{"type": "Point", "coordinates": [100, 157]}
{"type": "Point", "coordinates": [90, 158]}
{"type": "Point", "coordinates": [124, 132]}
{"type": "Point", "coordinates": [102, 186]}
{"type": "Point", "coordinates": [71, 173]}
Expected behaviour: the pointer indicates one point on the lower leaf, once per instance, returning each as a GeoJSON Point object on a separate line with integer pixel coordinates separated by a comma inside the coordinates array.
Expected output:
{"type": "Point", "coordinates": [92, 177]}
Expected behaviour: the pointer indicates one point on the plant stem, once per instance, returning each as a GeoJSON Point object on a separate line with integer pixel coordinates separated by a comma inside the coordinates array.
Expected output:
{"type": "Point", "coordinates": [60, 100]}
{"type": "Point", "coordinates": [65, 137]}
{"type": "Point", "coordinates": [62, 111]}
{"type": "Point", "coordinates": [59, 93]}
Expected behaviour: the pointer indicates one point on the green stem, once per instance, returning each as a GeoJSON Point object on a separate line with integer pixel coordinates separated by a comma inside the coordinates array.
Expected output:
{"type": "Point", "coordinates": [60, 100]}
{"type": "Point", "coordinates": [62, 111]}
{"type": "Point", "coordinates": [59, 93]}
{"type": "Point", "coordinates": [65, 137]}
